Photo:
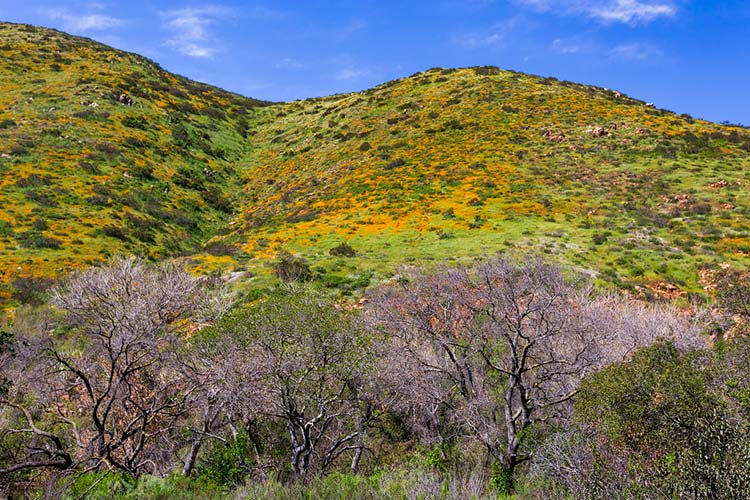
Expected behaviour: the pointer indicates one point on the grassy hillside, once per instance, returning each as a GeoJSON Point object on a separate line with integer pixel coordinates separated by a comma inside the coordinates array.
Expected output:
{"type": "Point", "coordinates": [102, 151]}
{"type": "Point", "coordinates": [458, 163]}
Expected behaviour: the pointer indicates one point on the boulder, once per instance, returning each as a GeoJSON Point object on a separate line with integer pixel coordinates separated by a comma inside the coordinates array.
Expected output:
{"type": "Point", "coordinates": [599, 132]}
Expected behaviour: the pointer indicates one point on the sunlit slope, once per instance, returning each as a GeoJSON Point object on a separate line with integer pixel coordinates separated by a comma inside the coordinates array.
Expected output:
{"type": "Point", "coordinates": [102, 151]}
{"type": "Point", "coordinates": [467, 162]}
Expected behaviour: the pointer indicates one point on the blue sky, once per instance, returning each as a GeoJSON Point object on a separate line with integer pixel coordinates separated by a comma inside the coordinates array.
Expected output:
{"type": "Point", "coordinates": [689, 56]}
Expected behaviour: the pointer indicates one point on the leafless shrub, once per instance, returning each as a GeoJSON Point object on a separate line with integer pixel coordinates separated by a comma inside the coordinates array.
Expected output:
{"type": "Point", "coordinates": [107, 394]}
{"type": "Point", "coordinates": [625, 324]}
{"type": "Point", "coordinates": [576, 463]}
{"type": "Point", "coordinates": [487, 352]}
{"type": "Point", "coordinates": [297, 360]}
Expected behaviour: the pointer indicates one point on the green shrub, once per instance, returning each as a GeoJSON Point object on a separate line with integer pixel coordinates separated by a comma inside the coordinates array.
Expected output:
{"type": "Point", "coordinates": [477, 222]}
{"type": "Point", "coordinates": [34, 180]}
{"type": "Point", "coordinates": [290, 268]}
{"type": "Point", "coordinates": [34, 239]}
{"type": "Point", "coordinates": [115, 232]}
{"type": "Point", "coordinates": [660, 426]}
{"type": "Point", "coordinates": [142, 171]}
{"type": "Point", "coordinates": [651, 401]}
{"type": "Point", "coordinates": [342, 250]}
{"type": "Point", "coordinates": [189, 178]}
{"type": "Point", "coordinates": [89, 167]}
{"type": "Point", "coordinates": [346, 284]}
{"type": "Point", "coordinates": [42, 198]}
{"type": "Point", "coordinates": [302, 216]}
{"type": "Point", "coordinates": [6, 229]}
{"type": "Point", "coordinates": [242, 127]}
{"type": "Point", "coordinates": [395, 163]}
{"type": "Point", "coordinates": [501, 479]}
{"type": "Point", "coordinates": [214, 113]}
{"type": "Point", "coordinates": [30, 289]}
{"type": "Point", "coordinates": [214, 197]}
{"type": "Point", "coordinates": [181, 135]}
{"type": "Point", "coordinates": [486, 70]}
{"type": "Point", "coordinates": [143, 228]}
{"type": "Point", "coordinates": [99, 486]}
{"type": "Point", "coordinates": [7, 123]}
{"type": "Point", "coordinates": [218, 249]}
{"type": "Point", "coordinates": [599, 238]}
{"type": "Point", "coordinates": [138, 122]}
{"type": "Point", "coordinates": [109, 486]}
{"type": "Point", "coordinates": [225, 464]}
{"type": "Point", "coordinates": [40, 224]}
{"type": "Point", "coordinates": [716, 463]}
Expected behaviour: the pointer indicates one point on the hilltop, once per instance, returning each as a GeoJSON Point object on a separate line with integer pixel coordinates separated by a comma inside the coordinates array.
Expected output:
{"type": "Point", "coordinates": [105, 152]}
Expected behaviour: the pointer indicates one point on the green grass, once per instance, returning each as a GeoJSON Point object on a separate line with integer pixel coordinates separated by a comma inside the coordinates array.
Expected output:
{"type": "Point", "coordinates": [393, 484]}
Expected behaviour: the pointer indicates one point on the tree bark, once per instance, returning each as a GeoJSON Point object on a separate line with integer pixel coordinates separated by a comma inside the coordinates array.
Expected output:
{"type": "Point", "coordinates": [187, 469]}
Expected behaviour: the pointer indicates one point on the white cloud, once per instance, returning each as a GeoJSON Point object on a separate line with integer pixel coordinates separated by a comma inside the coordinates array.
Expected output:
{"type": "Point", "coordinates": [630, 51]}
{"type": "Point", "coordinates": [263, 13]}
{"type": "Point", "coordinates": [476, 40]}
{"type": "Point", "coordinates": [628, 11]}
{"type": "Point", "coordinates": [350, 73]}
{"type": "Point", "coordinates": [635, 51]}
{"type": "Point", "coordinates": [494, 37]}
{"type": "Point", "coordinates": [608, 11]}
{"type": "Point", "coordinates": [191, 35]}
{"type": "Point", "coordinates": [571, 46]}
{"type": "Point", "coordinates": [352, 27]}
{"type": "Point", "coordinates": [78, 23]}
{"type": "Point", "coordinates": [289, 63]}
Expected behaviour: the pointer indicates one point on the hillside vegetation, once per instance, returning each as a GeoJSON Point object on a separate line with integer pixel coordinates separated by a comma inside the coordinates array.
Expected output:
{"type": "Point", "coordinates": [105, 152]}
{"type": "Point", "coordinates": [505, 380]}
{"type": "Point", "coordinates": [457, 163]}
{"type": "Point", "coordinates": [420, 347]}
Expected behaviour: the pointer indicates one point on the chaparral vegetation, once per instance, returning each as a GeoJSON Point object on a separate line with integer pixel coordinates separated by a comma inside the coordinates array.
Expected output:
{"type": "Point", "coordinates": [507, 377]}
{"type": "Point", "coordinates": [464, 284]}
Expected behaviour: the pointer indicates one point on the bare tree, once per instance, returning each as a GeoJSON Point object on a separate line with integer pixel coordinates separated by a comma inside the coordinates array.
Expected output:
{"type": "Point", "coordinates": [204, 366]}
{"type": "Point", "coordinates": [429, 362]}
{"type": "Point", "coordinates": [489, 350]}
{"type": "Point", "coordinates": [492, 350]}
{"type": "Point", "coordinates": [536, 335]}
{"type": "Point", "coordinates": [571, 464]}
{"type": "Point", "coordinates": [27, 441]}
{"type": "Point", "coordinates": [625, 324]}
{"type": "Point", "coordinates": [300, 360]}
{"type": "Point", "coordinates": [111, 384]}
{"type": "Point", "coordinates": [733, 294]}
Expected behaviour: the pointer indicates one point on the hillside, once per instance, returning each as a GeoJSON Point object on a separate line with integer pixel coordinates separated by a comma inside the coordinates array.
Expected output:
{"type": "Point", "coordinates": [103, 152]}
{"type": "Point", "coordinates": [459, 163]}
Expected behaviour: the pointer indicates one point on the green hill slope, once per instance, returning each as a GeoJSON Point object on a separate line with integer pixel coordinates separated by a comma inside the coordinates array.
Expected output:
{"type": "Point", "coordinates": [459, 163]}
{"type": "Point", "coordinates": [444, 164]}
{"type": "Point", "coordinates": [102, 151]}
